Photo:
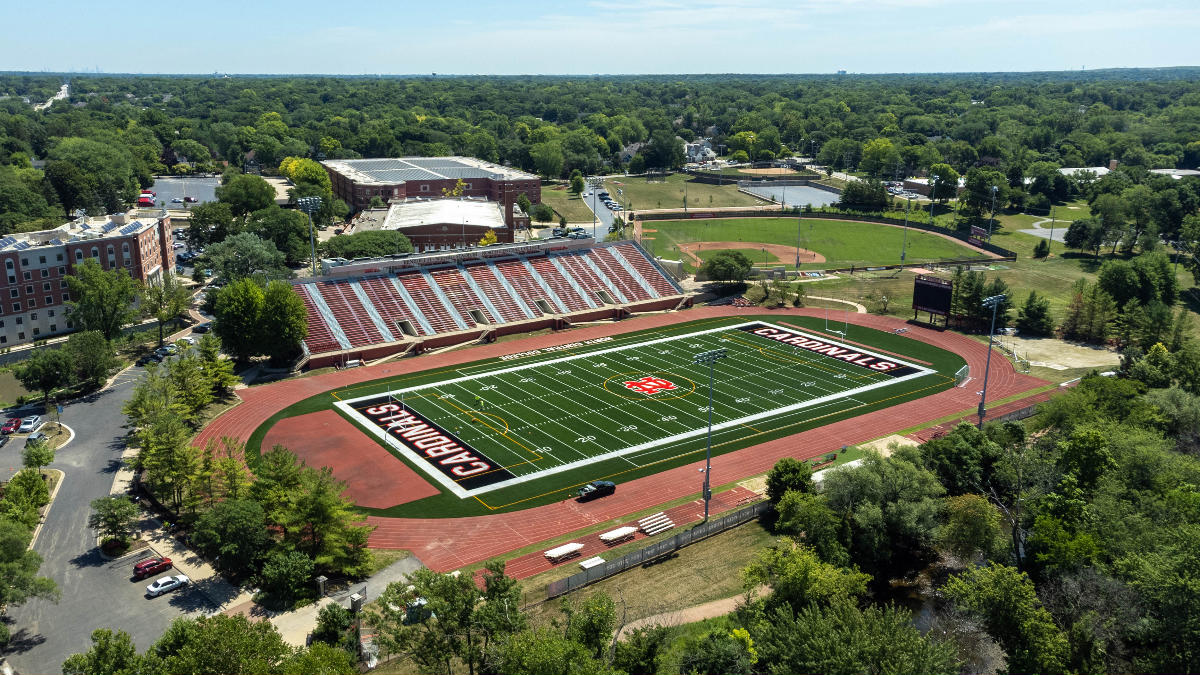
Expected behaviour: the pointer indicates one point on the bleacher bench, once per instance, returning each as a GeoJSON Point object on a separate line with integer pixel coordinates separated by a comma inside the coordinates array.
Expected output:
{"type": "Point", "coordinates": [619, 534]}
{"type": "Point", "coordinates": [560, 553]}
{"type": "Point", "coordinates": [591, 562]}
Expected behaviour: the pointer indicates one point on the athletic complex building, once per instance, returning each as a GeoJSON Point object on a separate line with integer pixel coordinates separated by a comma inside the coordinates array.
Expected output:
{"type": "Point", "coordinates": [356, 181]}
{"type": "Point", "coordinates": [366, 309]}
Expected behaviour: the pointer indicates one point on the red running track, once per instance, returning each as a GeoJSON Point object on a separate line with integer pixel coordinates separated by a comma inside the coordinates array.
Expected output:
{"type": "Point", "coordinates": [445, 544]}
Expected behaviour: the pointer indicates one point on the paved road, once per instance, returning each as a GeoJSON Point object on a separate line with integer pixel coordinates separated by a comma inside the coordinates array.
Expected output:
{"type": "Point", "coordinates": [95, 592]}
{"type": "Point", "coordinates": [605, 216]}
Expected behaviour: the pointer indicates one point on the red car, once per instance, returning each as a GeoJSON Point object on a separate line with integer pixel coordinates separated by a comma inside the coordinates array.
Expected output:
{"type": "Point", "coordinates": [150, 567]}
{"type": "Point", "coordinates": [11, 425]}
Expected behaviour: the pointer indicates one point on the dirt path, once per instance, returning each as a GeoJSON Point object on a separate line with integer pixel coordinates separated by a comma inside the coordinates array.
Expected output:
{"type": "Point", "coordinates": [686, 615]}
{"type": "Point", "coordinates": [780, 251]}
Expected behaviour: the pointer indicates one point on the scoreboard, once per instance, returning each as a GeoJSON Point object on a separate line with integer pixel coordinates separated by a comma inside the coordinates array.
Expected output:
{"type": "Point", "coordinates": [931, 294]}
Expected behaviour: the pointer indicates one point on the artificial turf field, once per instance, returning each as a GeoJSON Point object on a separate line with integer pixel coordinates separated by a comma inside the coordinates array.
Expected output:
{"type": "Point", "coordinates": [528, 429]}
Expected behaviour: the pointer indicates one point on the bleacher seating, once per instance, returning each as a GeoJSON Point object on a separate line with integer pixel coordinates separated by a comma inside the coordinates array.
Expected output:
{"type": "Point", "coordinates": [338, 314]}
{"type": "Point", "coordinates": [349, 313]}
{"type": "Point", "coordinates": [561, 286]}
{"type": "Point", "coordinates": [390, 305]}
{"type": "Point", "coordinates": [461, 295]}
{"type": "Point", "coordinates": [429, 304]}
{"type": "Point", "coordinates": [496, 294]}
{"type": "Point", "coordinates": [320, 338]}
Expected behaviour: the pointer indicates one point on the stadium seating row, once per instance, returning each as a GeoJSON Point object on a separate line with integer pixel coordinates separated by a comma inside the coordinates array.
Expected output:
{"type": "Point", "coordinates": [347, 313]}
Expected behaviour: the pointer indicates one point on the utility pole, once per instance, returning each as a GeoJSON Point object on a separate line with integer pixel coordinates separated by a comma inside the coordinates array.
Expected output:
{"type": "Point", "coordinates": [904, 246]}
{"type": "Point", "coordinates": [1050, 242]}
{"type": "Point", "coordinates": [933, 179]}
{"type": "Point", "coordinates": [709, 357]}
{"type": "Point", "coordinates": [993, 302]}
{"type": "Point", "coordinates": [992, 223]}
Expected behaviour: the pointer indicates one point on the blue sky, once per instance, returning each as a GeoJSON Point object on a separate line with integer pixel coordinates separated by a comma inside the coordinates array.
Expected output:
{"type": "Point", "coordinates": [600, 36]}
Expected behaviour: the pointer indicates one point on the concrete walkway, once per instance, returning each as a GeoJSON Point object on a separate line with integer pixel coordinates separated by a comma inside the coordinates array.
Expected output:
{"type": "Point", "coordinates": [861, 309]}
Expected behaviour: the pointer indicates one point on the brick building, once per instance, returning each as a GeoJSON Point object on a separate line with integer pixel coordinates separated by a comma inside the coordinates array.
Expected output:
{"type": "Point", "coordinates": [356, 181]}
{"type": "Point", "coordinates": [444, 224]}
{"type": "Point", "coordinates": [33, 290]}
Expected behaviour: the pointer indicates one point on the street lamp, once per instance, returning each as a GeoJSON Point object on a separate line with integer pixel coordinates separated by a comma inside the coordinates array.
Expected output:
{"type": "Point", "coordinates": [933, 179]}
{"type": "Point", "coordinates": [992, 302]}
{"type": "Point", "coordinates": [311, 205]}
{"type": "Point", "coordinates": [995, 189]}
{"type": "Point", "coordinates": [709, 357]}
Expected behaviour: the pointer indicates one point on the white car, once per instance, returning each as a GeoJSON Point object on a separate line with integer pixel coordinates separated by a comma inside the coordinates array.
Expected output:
{"type": "Point", "coordinates": [177, 245]}
{"type": "Point", "coordinates": [166, 584]}
{"type": "Point", "coordinates": [29, 424]}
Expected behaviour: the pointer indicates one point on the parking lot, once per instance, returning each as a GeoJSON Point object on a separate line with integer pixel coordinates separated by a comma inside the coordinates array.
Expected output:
{"type": "Point", "coordinates": [114, 586]}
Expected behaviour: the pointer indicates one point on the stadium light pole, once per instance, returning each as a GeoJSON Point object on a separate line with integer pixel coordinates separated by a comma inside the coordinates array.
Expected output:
{"type": "Point", "coordinates": [709, 357]}
{"type": "Point", "coordinates": [992, 222]}
{"type": "Point", "coordinates": [933, 179]}
{"type": "Point", "coordinates": [904, 245]}
{"type": "Point", "coordinates": [1050, 241]}
{"type": "Point", "coordinates": [993, 302]}
{"type": "Point", "coordinates": [311, 205]}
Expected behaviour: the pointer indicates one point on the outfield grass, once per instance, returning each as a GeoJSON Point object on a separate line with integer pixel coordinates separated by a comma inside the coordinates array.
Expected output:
{"type": "Point", "coordinates": [567, 204]}
{"type": "Point", "coordinates": [756, 255]}
{"type": "Point", "coordinates": [641, 423]}
{"type": "Point", "coordinates": [668, 194]}
{"type": "Point", "coordinates": [843, 243]}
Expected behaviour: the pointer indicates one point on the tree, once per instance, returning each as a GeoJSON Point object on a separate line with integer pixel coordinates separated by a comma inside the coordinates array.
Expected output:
{"type": "Point", "coordinates": [111, 654]}
{"type": "Point", "coordinates": [543, 213]}
{"type": "Point", "coordinates": [664, 151]}
{"type": "Point", "coordinates": [865, 195]}
{"type": "Point", "coordinates": [879, 156]}
{"type": "Point", "coordinates": [367, 244]}
{"type": "Point", "coordinates": [1042, 249]}
{"type": "Point", "coordinates": [91, 355]}
{"type": "Point", "coordinates": [640, 650]}
{"type": "Point", "coordinates": [333, 627]}
{"type": "Point", "coordinates": [788, 474]}
{"type": "Point", "coordinates": [489, 238]}
{"type": "Point", "coordinates": [577, 184]}
{"type": "Point", "coordinates": [37, 454]}
{"type": "Point", "coordinates": [245, 193]}
{"type": "Point", "coordinates": [972, 528]}
{"type": "Point", "coordinates": [219, 371]}
{"type": "Point", "coordinates": [1086, 455]}
{"type": "Point", "coordinates": [236, 531]}
{"type": "Point", "coordinates": [719, 652]}
{"type": "Point", "coordinates": [946, 185]}
{"type": "Point", "coordinates": [547, 158]}
{"type": "Point", "coordinates": [244, 255]}
{"type": "Point", "coordinates": [287, 576]}
{"type": "Point", "coordinates": [24, 494]}
{"type": "Point", "coordinates": [841, 638]}
{"type": "Point", "coordinates": [963, 460]}
{"type": "Point", "coordinates": [797, 576]}
{"type": "Point", "coordinates": [74, 189]}
{"type": "Point", "coordinates": [112, 517]}
{"type": "Point", "coordinates": [325, 524]}
{"type": "Point", "coordinates": [46, 370]}
{"type": "Point", "coordinates": [524, 203]}
{"type": "Point", "coordinates": [1007, 603]}
{"type": "Point", "coordinates": [286, 229]}
{"type": "Point", "coordinates": [808, 518]}
{"type": "Point", "coordinates": [238, 313]}
{"type": "Point", "coordinates": [591, 622]}
{"type": "Point", "coordinates": [542, 652]}
{"type": "Point", "coordinates": [165, 301]}
{"type": "Point", "coordinates": [1034, 316]}
{"type": "Point", "coordinates": [727, 266]}
{"type": "Point", "coordinates": [103, 300]}
{"type": "Point", "coordinates": [19, 581]}
{"type": "Point", "coordinates": [219, 644]}
{"type": "Point", "coordinates": [284, 322]}
{"type": "Point", "coordinates": [211, 223]}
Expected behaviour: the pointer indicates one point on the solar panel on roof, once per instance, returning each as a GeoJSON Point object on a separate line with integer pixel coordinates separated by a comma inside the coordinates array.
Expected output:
{"type": "Point", "coordinates": [131, 228]}
{"type": "Point", "coordinates": [56, 242]}
{"type": "Point", "coordinates": [108, 227]}
{"type": "Point", "coordinates": [21, 245]}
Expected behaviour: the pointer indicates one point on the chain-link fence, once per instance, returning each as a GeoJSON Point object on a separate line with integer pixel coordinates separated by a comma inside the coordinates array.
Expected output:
{"type": "Point", "coordinates": [656, 550]}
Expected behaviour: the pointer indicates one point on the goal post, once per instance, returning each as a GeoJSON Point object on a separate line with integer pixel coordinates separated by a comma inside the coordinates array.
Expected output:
{"type": "Point", "coordinates": [962, 375]}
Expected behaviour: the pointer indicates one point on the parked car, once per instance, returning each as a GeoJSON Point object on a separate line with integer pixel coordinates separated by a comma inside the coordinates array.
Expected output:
{"type": "Point", "coordinates": [37, 437]}
{"type": "Point", "coordinates": [151, 566]}
{"type": "Point", "coordinates": [191, 200]}
{"type": "Point", "coordinates": [596, 489]}
{"type": "Point", "coordinates": [30, 423]}
{"type": "Point", "coordinates": [166, 584]}
{"type": "Point", "coordinates": [11, 425]}
{"type": "Point", "coordinates": [202, 328]}
{"type": "Point", "coordinates": [177, 200]}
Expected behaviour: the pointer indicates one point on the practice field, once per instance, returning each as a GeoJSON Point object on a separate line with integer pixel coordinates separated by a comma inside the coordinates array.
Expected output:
{"type": "Point", "coordinates": [843, 243]}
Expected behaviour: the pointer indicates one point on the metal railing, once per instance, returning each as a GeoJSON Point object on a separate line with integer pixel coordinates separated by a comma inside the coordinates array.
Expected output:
{"type": "Point", "coordinates": [656, 550]}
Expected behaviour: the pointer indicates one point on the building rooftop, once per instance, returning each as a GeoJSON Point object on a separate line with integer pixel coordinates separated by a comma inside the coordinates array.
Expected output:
{"type": "Point", "coordinates": [1071, 171]}
{"type": "Point", "coordinates": [402, 214]}
{"type": "Point", "coordinates": [1176, 173]}
{"type": "Point", "coordinates": [398, 170]}
{"type": "Point", "coordinates": [85, 228]}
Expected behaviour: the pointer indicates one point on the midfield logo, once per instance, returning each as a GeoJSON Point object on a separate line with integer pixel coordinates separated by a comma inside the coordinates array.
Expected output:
{"type": "Point", "coordinates": [650, 385]}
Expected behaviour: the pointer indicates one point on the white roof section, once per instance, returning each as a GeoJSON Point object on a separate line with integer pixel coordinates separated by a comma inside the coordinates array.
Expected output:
{"type": "Point", "coordinates": [1176, 173]}
{"type": "Point", "coordinates": [86, 229]}
{"type": "Point", "coordinates": [1098, 170]}
{"type": "Point", "coordinates": [392, 171]}
{"type": "Point", "coordinates": [413, 213]}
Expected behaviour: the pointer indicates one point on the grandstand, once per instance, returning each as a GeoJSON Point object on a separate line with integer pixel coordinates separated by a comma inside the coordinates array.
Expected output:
{"type": "Point", "coordinates": [367, 309]}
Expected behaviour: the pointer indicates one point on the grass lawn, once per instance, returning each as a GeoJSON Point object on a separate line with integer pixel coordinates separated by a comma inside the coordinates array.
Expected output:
{"type": "Point", "coordinates": [705, 571]}
{"type": "Point", "coordinates": [549, 422]}
{"type": "Point", "coordinates": [567, 204]}
{"type": "Point", "coordinates": [639, 194]}
{"type": "Point", "coordinates": [843, 243]}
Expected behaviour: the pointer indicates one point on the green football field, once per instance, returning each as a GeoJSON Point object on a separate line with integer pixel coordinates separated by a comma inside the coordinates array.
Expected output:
{"type": "Point", "coordinates": [525, 429]}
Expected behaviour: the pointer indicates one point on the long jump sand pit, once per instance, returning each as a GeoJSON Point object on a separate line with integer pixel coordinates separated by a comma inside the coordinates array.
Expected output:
{"type": "Point", "coordinates": [780, 251]}
{"type": "Point", "coordinates": [374, 478]}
